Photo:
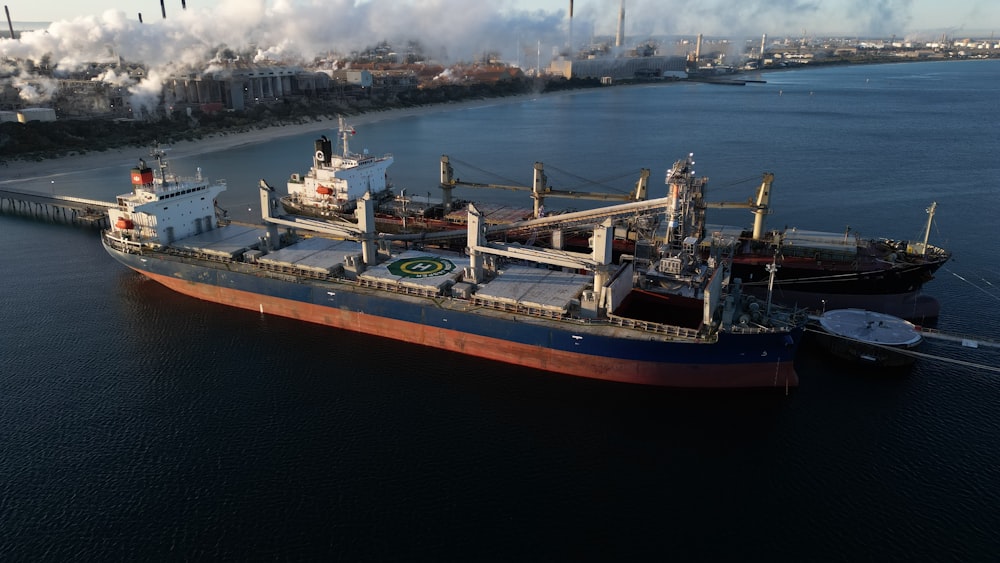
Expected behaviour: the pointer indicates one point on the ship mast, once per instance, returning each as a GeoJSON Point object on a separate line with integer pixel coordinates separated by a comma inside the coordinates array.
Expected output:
{"type": "Point", "coordinates": [927, 232]}
{"type": "Point", "coordinates": [345, 132]}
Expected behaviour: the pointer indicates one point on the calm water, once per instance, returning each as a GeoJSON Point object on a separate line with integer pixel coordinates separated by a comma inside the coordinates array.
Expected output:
{"type": "Point", "coordinates": [139, 424]}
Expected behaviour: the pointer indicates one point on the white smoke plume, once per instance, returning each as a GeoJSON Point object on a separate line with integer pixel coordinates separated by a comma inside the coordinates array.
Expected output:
{"type": "Point", "coordinates": [146, 94]}
{"type": "Point", "coordinates": [298, 31]}
{"type": "Point", "coordinates": [284, 51]}
{"type": "Point", "coordinates": [286, 31]}
{"type": "Point", "coordinates": [447, 75]}
{"type": "Point", "coordinates": [114, 78]}
{"type": "Point", "coordinates": [34, 90]}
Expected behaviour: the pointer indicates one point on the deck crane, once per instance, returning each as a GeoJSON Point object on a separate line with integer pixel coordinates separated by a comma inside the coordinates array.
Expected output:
{"type": "Point", "coordinates": [540, 188]}
{"type": "Point", "coordinates": [759, 206]}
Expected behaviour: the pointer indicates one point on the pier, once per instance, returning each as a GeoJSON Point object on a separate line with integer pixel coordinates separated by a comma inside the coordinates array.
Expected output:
{"type": "Point", "coordinates": [58, 209]}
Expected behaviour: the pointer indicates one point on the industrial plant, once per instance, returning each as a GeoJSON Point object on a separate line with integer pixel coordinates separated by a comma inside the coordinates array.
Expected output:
{"type": "Point", "coordinates": [34, 87]}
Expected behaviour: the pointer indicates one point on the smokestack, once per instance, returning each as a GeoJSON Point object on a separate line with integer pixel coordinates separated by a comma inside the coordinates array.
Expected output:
{"type": "Point", "coordinates": [163, 9]}
{"type": "Point", "coordinates": [697, 50]}
{"type": "Point", "coordinates": [9, 23]}
{"type": "Point", "coordinates": [763, 45]}
{"type": "Point", "coordinates": [140, 17]}
{"type": "Point", "coordinates": [571, 28]}
{"type": "Point", "coordinates": [620, 36]}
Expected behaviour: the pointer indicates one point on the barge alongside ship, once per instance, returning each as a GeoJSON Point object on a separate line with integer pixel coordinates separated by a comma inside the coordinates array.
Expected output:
{"type": "Point", "coordinates": [868, 338]}
{"type": "Point", "coordinates": [675, 319]}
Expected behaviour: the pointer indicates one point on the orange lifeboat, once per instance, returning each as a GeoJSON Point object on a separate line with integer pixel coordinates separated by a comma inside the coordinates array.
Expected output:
{"type": "Point", "coordinates": [123, 223]}
{"type": "Point", "coordinates": [323, 190]}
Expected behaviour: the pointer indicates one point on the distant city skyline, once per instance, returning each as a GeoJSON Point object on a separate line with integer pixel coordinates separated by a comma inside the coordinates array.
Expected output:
{"type": "Point", "coordinates": [598, 17]}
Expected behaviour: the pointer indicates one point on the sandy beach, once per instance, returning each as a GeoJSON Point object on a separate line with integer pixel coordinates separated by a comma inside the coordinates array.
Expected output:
{"type": "Point", "coordinates": [17, 171]}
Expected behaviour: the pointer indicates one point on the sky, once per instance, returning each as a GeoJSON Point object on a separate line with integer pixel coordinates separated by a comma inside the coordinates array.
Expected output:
{"type": "Point", "coordinates": [643, 17]}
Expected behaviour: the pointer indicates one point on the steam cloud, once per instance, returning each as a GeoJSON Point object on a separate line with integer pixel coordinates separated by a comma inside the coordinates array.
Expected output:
{"type": "Point", "coordinates": [297, 31]}
{"type": "Point", "coordinates": [285, 31]}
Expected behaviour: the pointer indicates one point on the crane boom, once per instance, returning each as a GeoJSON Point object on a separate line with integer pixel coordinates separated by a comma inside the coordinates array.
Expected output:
{"type": "Point", "coordinates": [540, 188]}
{"type": "Point", "coordinates": [758, 206]}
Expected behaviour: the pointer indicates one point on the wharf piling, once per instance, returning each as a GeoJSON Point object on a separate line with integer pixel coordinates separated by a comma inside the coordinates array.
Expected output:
{"type": "Point", "coordinates": [55, 208]}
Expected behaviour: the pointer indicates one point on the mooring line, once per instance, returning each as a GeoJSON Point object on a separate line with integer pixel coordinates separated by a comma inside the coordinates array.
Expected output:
{"type": "Point", "coordinates": [993, 295]}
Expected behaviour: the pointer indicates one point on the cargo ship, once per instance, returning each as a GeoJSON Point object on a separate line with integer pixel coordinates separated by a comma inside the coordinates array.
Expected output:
{"type": "Point", "coordinates": [816, 270]}
{"type": "Point", "coordinates": [673, 320]}
{"type": "Point", "coordinates": [332, 186]}
{"type": "Point", "coordinates": [339, 177]}
{"type": "Point", "coordinates": [823, 270]}
{"type": "Point", "coordinates": [336, 179]}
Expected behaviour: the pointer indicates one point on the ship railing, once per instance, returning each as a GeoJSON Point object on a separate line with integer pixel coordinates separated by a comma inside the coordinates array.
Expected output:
{"type": "Point", "coordinates": [360, 159]}
{"type": "Point", "coordinates": [123, 244]}
{"type": "Point", "coordinates": [278, 271]}
{"type": "Point", "coordinates": [301, 272]}
{"type": "Point", "coordinates": [396, 287]}
{"type": "Point", "coordinates": [183, 253]}
{"type": "Point", "coordinates": [754, 329]}
{"type": "Point", "coordinates": [520, 308]}
{"type": "Point", "coordinates": [650, 326]}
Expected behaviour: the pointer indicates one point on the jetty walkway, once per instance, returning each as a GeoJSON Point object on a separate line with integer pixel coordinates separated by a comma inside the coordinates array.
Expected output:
{"type": "Point", "coordinates": [55, 208]}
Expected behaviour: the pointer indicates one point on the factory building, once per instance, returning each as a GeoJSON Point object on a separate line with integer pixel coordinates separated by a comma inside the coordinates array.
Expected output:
{"type": "Point", "coordinates": [618, 68]}
{"type": "Point", "coordinates": [36, 114]}
{"type": "Point", "coordinates": [238, 86]}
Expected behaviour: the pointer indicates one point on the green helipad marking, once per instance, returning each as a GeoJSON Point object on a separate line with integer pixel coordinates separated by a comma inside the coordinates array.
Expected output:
{"type": "Point", "coordinates": [421, 267]}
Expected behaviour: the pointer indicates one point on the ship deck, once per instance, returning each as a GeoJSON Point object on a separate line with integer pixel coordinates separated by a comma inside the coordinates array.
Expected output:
{"type": "Point", "coordinates": [320, 255]}
{"type": "Point", "coordinates": [425, 272]}
{"type": "Point", "coordinates": [229, 242]}
{"type": "Point", "coordinates": [536, 288]}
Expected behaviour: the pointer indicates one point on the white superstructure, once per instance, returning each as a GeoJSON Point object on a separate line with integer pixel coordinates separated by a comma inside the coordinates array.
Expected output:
{"type": "Point", "coordinates": [336, 181]}
{"type": "Point", "coordinates": [163, 207]}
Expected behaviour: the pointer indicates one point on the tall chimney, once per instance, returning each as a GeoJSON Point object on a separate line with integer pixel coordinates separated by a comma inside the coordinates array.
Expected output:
{"type": "Point", "coordinates": [763, 45]}
{"type": "Point", "coordinates": [697, 50]}
{"type": "Point", "coordinates": [163, 9]}
{"type": "Point", "coordinates": [9, 23]}
{"type": "Point", "coordinates": [620, 36]}
{"type": "Point", "coordinates": [571, 28]}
